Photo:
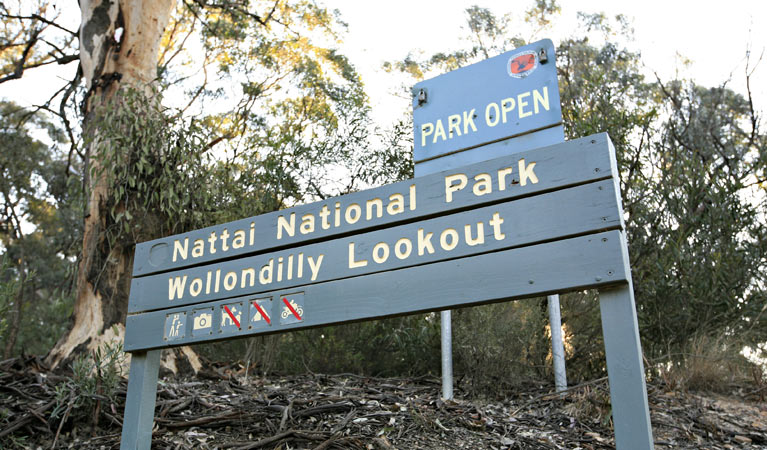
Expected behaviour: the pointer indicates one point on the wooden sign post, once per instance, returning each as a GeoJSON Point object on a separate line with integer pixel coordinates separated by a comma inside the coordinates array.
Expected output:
{"type": "Point", "coordinates": [537, 222]}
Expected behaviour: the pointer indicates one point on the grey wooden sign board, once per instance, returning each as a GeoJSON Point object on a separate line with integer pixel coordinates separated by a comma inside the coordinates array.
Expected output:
{"type": "Point", "coordinates": [537, 222]}
{"type": "Point", "coordinates": [504, 104]}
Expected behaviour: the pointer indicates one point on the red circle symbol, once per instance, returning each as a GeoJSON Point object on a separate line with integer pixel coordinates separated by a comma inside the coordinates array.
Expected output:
{"type": "Point", "coordinates": [522, 63]}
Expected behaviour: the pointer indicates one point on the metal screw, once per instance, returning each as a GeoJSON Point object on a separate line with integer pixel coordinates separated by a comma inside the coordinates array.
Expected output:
{"type": "Point", "coordinates": [531, 281]}
{"type": "Point", "coordinates": [610, 272]}
{"type": "Point", "coordinates": [593, 141]}
{"type": "Point", "coordinates": [596, 170]}
{"type": "Point", "coordinates": [598, 278]}
{"type": "Point", "coordinates": [604, 239]}
{"type": "Point", "coordinates": [542, 56]}
{"type": "Point", "coordinates": [421, 97]}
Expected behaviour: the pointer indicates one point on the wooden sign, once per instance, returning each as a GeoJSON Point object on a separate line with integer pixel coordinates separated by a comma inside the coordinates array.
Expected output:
{"type": "Point", "coordinates": [504, 104]}
{"type": "Point", "coordinates": [543, 221]}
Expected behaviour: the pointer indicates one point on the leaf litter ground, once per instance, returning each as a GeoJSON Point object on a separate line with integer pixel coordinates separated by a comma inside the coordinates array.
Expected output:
{"type": "Point", "coordinates": [223, 408]}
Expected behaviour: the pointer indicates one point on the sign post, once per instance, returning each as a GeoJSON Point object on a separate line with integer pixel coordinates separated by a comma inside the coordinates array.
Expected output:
{"type": "Point", "coordinates": [529, 224]}
{"type": "Point", "coordinates": [499, 106]}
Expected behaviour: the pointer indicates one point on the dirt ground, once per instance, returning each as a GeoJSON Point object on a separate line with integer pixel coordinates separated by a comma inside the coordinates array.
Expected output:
{"type": "Point", "coordinates": [226, 408]}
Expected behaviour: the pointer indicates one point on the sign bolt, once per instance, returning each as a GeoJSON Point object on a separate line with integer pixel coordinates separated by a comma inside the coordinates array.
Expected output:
{"type": "Point", "coordinates": [542, 56]}
{"type": "Point", "coordinates": [421, 97]}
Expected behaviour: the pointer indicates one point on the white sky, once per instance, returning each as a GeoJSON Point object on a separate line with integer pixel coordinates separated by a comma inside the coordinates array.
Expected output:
{"type": "Point", "coordinates": [714, 38]}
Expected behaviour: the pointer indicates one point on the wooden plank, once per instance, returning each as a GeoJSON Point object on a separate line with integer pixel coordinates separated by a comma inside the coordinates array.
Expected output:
{"type": "Point", "coordinates": [556, 167]}
{"type": "Point", "coordinates": [140, 401]}
{"type": "Point", "coordinates": [555, 215]}
{"type": "Point", "coordinates": [577, 263]}
{"type": "Point", "coordinates": [625, 367]}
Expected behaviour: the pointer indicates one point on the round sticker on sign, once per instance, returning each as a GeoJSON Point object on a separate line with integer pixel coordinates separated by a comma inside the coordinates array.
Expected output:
{"type": "Point", "coordinates": [522, 64]}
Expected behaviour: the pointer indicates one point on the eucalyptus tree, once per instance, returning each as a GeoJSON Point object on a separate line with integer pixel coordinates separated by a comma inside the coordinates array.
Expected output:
{"type": "Point", "coordinates": [190, 113]}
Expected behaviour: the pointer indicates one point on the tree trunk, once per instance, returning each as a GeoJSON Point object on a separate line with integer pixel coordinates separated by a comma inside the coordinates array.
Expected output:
{"type": "Point", "coordinates": [119, 43]}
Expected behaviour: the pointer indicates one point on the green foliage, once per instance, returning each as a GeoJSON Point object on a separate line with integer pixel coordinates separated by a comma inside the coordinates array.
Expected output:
{"type": "Point", "coordinates": [499, 346]}
{"type": "Point", "coordinates": [9, 289]}
{"type": "Point", "coordinates": [94, 382]}
{"type": "Point", "coordinates": [701, 268]}
{"type": "Point", "coordinates": [692, 165]}
{"type": "Point", "coordinates": [388, 347]}
{"type": "Point", "coordinates": [40, 223]}
{"type": "Point", "coordinates": [155, 164]}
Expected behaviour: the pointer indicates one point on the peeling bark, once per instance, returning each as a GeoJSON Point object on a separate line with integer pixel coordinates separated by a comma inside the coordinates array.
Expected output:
{"type": "Point", "coordinates": [119, 48]}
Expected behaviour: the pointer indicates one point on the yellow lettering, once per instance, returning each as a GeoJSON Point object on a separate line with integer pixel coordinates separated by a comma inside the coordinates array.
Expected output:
{"type": "Point", "coordinates": [502, 178]}
{"type": "Point", "coordinates": [496, 222]}
{"type": "Point", "coordinates": [424, 242]}
{"type": "Point", "coordinates": [443, 239]}
{"type": "Point", "coordinates": [289, 227]}
{"type": "Point", "coordinates": [522, 105]}
{"type": "Point", "coordinates": [307, 224]}
{"type": "Point", "coordinates": [230, 281]}
{"type": "Point", "coordinates": [468, 120]}
{"type": "Point", "coordinates": [426, 130]}
{"type": "Point", "coordinates": [353, 218]}
{"type": "Point", "coordinates": [315, 266]}
{"type": "Point", "coordinates": [491, 117]}
{"type": "Point", "coordinates": [526, 172]}
{"type": "Point", "coordinates": [245, 273]}
{"type": "Point", "coordinates": [352, 263]}
{"type": "Point", "coordinates": [378, 203]}
{"type": "Point", "coordinates": [381, 252]}
{"type": "Point", "coordinates": [195, 287]}
{"type": "Point", "coordinates": [483, 184]}
{"type": "Point", "coordinates": [396, 204]}
{"type": "Point", "coordinates": [402, 254]}
{"type": "Point", "coordinates": [265, 274]}
{"type": "Point", "coordinates": [179, 250]}
{"type": "Point", "coordinates": [176, 287]}
{"type": "Point", "coordinates": [239, 239]}
{"type": "Point", "coordinates": [451, 187]}
{"type": "Point", "coordinates": [454, 124]}
{"type": "Point", "coordinates": [543, 100]}
{"type": "Point", "coordinates": [324, 213]}
{"type": "Point", "coordinates": [480, 234]}
{"type": "Point", "coordinates": [505, 109]}
{"type": "Point", "coordinates": [198, 249]}
{"type": "Point", "coordinates": [439, 132]}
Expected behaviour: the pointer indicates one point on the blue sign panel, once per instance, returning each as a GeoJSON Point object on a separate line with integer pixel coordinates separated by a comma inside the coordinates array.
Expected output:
{"type": "Point", "coordinates": [509, 95]}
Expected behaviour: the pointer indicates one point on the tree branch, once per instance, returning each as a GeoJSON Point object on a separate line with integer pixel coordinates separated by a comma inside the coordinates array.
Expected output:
{"type": "Point", "coordinates": [19, 70]}
{"type": "Point", "coordinates": [39, 18]}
